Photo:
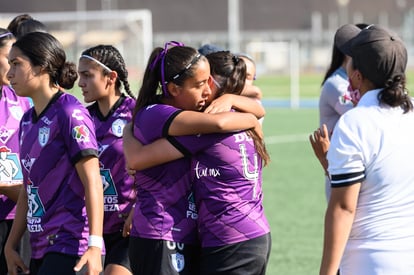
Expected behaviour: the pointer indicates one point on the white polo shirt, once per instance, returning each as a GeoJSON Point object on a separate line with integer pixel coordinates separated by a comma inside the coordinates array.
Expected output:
{"type": "Point", "coordinates": [374, 144]}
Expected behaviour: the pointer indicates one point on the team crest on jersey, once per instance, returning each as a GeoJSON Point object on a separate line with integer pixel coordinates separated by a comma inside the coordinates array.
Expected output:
{"type": "Point", "coordinates": [5, 134]}
{"type": "Point", "coordinates": [178, 262]}
{"type": "Point", "coordinates": [118, 126]}
{"type": "Point", "coordinates": [108, 183]}
{"type": "Point", "coordinates": [28, 163]}
{"type": "Point", "coordinates": [16, 112]}
{"type": "Point", "coordinates": [80, 133]}
{"type": "Point", "coordinates": [36, 208]}
{"type": "Point", "coordinates": [43, 136]}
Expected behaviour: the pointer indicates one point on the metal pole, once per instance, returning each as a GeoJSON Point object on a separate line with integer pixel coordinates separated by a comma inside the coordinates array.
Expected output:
{"type": "Point", "coordinates": [294, 74]}
{"type": "Point", "coordinates": [234, 25]}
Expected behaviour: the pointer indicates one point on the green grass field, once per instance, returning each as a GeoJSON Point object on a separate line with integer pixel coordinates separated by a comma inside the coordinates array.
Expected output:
{"type": "Point", "coordinates": [293, 192]}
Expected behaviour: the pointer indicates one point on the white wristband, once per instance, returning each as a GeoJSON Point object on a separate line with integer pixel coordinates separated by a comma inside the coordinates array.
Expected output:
{"type": "Point", "coordinates": [95, 240]}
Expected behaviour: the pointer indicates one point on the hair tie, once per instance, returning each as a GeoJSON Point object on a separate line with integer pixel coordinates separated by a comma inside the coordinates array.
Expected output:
{"type": "Point", "coordinates": [235, 59]}
{"type": "Point", "coordinates": [161, 56]}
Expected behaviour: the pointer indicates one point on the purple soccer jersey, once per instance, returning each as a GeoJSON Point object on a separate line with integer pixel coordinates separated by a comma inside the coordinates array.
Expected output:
{"type": "Point", "coordinates": [227, 175]}
{"type": "Point", "coordinates": [12, 108]}
{"type": "Point", "coordinates": [119, 193]}
{"type": "Point", "coordinates": [165, 208]}
{"type": "Point", "coordinates": [51, 144]}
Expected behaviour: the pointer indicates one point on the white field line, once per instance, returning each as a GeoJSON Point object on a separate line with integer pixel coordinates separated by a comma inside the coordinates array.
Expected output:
{"type": "Point", "coordinates": [287, 138]}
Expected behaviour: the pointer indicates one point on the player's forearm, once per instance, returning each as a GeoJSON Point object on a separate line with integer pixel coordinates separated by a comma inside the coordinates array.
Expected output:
{"type": "Point", "coordinates": [10, 190]}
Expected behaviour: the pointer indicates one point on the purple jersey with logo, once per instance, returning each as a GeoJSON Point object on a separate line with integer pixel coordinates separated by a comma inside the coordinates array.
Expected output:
{"type": "Point", "coordinates": [165, 208]}
{"type": "Point", "coordinates": [12, 108]}
{"type": "Point", "coordinates": [51, 144]}
{"type": "Point", "coordinates": [227, 188]}
{"type": "Point", "coordinates": [119, 194]}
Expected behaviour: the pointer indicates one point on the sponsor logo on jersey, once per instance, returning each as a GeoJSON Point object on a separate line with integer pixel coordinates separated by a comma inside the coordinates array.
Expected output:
{"type": "Point", "coordinates": [110, 193]}
{"type": "Point", "coordinates": [10, 169]}
{"type": "Point", "coordinates": [77, 114]}
{"type": "Point", "coordinates": [108, 183]}
{"type": "Point", "coordinates": [46, 120]}
{"type": "Point", "coordinates": [101, 148]}
{"type": "Point", "coordinates": [80, 133]}
{"type": "Point", "coordinates": [5, 134]}
{"type": "Point", "coordinates": [28, 163]}
{"type": "Point", "coordinates": [35, 210]}
{"type": "Point", "coordinates": [192, 208]}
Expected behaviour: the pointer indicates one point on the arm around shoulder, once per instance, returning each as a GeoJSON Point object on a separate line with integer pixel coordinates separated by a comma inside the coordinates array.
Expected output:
{"type": "Point", "coordinates": [190, 123]}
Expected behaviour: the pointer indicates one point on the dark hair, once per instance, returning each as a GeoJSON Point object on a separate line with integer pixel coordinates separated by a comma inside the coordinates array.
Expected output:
{"type": "Point", "coordinates": [5, 37]}
{"type": "Point", "coordinates": [229, 71]}
{"type": "Point", "coordinates": [336, 61]}
{"type": "Point", "coordinates": [112, 58]}
{"type": "Point", "coordinates": [29, 25]}
{"type": "Point", "coordinates": [45, 50]}
{"type": "Point", "coordinates": [394, 92]}
{"type": "Point", "coordinates": [176, 69]}
{"type": "Point", "coordinates": [16, 21]}
{"type": "Point", "coordinates": [338, 56]}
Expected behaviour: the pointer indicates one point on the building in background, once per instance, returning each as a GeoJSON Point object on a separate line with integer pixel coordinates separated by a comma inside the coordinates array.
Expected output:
{"type": "Point", "coordinates": [272, 31]}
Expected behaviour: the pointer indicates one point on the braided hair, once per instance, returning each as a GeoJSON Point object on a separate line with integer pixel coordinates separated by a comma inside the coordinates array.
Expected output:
{"type": "Point", "coordinates": [110, 57]}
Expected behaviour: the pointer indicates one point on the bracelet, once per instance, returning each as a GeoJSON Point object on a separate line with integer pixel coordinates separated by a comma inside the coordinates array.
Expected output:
{"type": "Point", "coordinates": [94, 240]}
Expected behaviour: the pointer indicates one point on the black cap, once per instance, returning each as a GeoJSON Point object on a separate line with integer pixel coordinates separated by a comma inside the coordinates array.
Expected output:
{"type": "Point", "coordinates": [344, 34]}
{"type": "Point", "coordinates": [378, 54]}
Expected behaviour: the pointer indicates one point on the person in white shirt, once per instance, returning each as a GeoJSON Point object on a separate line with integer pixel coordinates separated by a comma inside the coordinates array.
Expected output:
{"type": "Point", "coordinates": [369, 220]}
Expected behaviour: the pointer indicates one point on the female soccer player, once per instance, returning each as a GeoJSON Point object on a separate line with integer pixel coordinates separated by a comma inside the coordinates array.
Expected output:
{"type": "Point", "coordinates": [62, 202]}
{"type": "Point", "coordinates": [163, 236]}
{"type": "Point", "coordinates": [102, 71]}
{"type": "Point", "coordinates": [226, 172]}
{"type": "Point", "coordinates": [12, 108]}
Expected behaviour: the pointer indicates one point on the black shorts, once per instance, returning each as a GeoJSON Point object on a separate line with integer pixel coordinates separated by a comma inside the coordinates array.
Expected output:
{"type": "Point", "coordinates": [54, 263]}
{"type": "Point", "coordinates": [116, 248]}
{"type": "Point", "coordinates": [57, 263]}
{"type": "Point", "coordinates": [248, 257]}
{"type": "Point", "coordinates": [159, 257]}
